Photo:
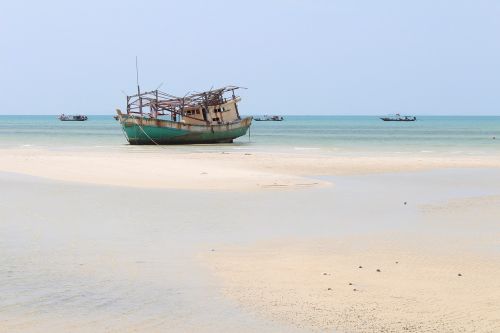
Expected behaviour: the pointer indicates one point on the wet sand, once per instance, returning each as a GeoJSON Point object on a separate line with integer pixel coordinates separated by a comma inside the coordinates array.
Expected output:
{"type": "Point", "coordinates": [80, 253]}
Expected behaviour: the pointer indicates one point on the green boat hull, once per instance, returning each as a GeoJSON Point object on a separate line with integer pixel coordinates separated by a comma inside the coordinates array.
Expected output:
{"type": "Point", "coordinates": [146, 131]}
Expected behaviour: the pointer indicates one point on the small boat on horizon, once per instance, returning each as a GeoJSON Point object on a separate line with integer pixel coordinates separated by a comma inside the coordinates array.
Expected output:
{"type": "Point", "coordinates": [269, 118]}
{"type": "Point", "coordinates": [76, 117]}
{"type": "Point", "coordinates": [398, 117]}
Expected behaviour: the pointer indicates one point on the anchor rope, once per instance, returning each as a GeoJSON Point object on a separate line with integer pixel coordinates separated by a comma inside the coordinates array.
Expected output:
{"type": "Point", "coordinates": [125, 133]}
{"type": "Point", "coordinates": [143, 131]}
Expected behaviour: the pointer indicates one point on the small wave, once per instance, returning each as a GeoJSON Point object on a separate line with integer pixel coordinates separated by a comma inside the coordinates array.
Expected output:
{"type": "Point", "coordinates": [27, 146]}
{"type": "Point", "coordinates": [426, 151]}
{"type": "Point", "coordinates": [306, 148]}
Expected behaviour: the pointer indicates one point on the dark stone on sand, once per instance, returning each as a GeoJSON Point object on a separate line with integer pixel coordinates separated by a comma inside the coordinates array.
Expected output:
{"type": "Point", "coordinates": [355, 289]}
{"type": "Point", "coordinates": [405, 202]}
{"type": "Point", "coordinates": [397, 262]}
{"type": "Point", "coordinates": [325, 273]}
{"type": "Point", "coordinates": [378, 270]}
{"type": "Point", "coordinates": [329, 288]}
{"type": "Point", "coordinates": [350, 283]}
{"type": "Point", "coordinates": [459, 274]}
{"type": "Point", "coordinates": [360, 267]}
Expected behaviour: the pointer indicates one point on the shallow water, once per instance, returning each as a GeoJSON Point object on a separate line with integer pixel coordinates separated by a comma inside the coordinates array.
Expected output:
{"type": "Point", "coordinates": [318, 134]}
{"type": "Point", "coordinates": [83, 259]}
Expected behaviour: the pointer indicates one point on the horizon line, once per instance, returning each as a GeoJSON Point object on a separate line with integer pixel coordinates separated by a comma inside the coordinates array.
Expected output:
{"type": "Point", "coordinates": [297, 115]}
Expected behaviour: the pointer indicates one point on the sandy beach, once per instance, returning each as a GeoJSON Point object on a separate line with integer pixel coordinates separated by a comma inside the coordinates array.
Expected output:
{"type": "Point", "coordinates": [205, 242]}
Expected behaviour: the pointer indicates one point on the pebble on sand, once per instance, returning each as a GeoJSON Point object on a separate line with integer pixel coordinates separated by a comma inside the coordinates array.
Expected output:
{"type": "Point", "coordinates": [360, 267]}
{"type": "Point", "coordinates": [378, 270]}
{"type": "Point", "coordinates": [350, 283]}
{"type": "Point", "coordinates": [325, 273]}
{"type": "Point", "coordinates": [459, 274]}
{"type": "Point", "coordinates": [355, 289]}
{"type": "Point", "coordinates": [405, 202]}
{"type": "Point", "coordinates": [329, 288]}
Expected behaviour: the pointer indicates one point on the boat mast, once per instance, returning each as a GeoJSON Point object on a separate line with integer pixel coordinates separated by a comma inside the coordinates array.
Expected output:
{"type": "Point", "coordinates": [236, 105]}
{"type": "Point", "coordinates": [156, 105]}
{"type": "Point", "coordinates": [204, 110]}
{"type": "Point", "coordinates": [137, 80]}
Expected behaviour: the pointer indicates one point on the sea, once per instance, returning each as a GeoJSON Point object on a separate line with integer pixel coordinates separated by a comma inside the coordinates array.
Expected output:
{"type": "Point", "coordinates": [463, 135]}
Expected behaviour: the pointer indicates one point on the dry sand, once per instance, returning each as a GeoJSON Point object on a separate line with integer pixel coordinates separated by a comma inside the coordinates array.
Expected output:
{"type": "Point", "coordinates": [319, 286]}
{"type": "Point", "coordinates": [215, 171]}
{"type": "Point", "coordinates": [428, 282]}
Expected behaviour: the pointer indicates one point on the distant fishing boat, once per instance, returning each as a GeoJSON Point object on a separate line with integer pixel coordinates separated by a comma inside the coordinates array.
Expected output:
{"type": "Point", "coordinates": [269, 118]}
{"type": "Point", "coordinates": [159, 118]}
{"type": "Point", "coordinates": [398, 117]}
{"type": "Point", "coordinates": [76, 117]}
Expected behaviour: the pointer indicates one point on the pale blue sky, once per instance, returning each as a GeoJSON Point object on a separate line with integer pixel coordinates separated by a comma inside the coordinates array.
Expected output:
{"type": "Point", "coordinates": [296, 57]}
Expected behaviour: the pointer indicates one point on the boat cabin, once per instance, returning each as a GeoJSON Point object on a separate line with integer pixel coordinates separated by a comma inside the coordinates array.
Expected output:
{"type": "Point", "coordinates": [214, 107]}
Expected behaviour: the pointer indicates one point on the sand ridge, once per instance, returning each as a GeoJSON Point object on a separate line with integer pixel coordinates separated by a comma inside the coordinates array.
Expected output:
{"type": "Point", "coordinates": [215, 170]}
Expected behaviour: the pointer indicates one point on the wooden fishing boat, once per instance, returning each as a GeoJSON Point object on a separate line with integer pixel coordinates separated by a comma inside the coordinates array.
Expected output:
{"type": "Point", "coordinates": [77, 117]}
{"type": "Point", "coordinates": [159, 118]}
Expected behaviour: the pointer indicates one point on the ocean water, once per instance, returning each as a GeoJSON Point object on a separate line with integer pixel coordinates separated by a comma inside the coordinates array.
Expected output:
{"type": "Point", "coordinates": [322, 134]}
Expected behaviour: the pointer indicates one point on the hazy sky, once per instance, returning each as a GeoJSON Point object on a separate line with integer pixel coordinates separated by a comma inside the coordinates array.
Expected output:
{"type": "Point", "coordinates": [296, 57]}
